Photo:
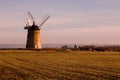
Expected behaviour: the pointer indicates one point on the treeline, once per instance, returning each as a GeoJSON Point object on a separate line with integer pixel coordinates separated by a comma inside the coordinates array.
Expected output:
{"type": "Point", "coordinates": [92, 48]}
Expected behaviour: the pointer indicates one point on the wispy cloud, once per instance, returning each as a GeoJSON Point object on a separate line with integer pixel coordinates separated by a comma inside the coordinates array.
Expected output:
{"type": "Point", "coordinates": [99, 35]}
{"type": "Point", "coordinates": [72, 21]}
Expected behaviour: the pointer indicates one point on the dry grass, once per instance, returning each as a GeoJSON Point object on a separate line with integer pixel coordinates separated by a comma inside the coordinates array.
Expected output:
{"type": "Point", "coordinates": [59, 65]}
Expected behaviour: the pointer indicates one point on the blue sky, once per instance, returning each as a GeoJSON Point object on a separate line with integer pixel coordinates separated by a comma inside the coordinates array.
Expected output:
{"type": "Point", "coordinates": [71, 21]}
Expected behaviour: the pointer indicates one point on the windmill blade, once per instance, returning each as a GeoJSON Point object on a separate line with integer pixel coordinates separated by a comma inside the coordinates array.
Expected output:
{"type": "Point", "coordinates": [45, 37]}
{"type": "Point", "coordinates": [31, 17]}
{"type": "Point", "coordinates": [27, 21]}
{"type": "Point", "coordinates": [44, 20]}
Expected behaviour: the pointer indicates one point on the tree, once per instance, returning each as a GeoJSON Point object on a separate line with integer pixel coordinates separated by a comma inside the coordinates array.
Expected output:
{"type": "Point", "coordinates": [64, 47]}
{"type": "Point", "coordinates": [75, 47]}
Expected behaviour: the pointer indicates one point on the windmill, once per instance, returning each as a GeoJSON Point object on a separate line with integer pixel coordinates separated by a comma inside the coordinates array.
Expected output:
{"type": "Point", "coordinates": [33, 35]}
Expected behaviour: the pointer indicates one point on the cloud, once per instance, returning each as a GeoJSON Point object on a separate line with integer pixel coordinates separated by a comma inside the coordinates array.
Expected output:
{"type": "Point", "coordinates": [100, 35]}
{"type": "Point", "coordinates": [70, 22]}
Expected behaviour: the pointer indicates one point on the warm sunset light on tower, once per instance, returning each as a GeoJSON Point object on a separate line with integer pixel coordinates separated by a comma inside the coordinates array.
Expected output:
{"type": "Point", "coordinates": [33, 35]}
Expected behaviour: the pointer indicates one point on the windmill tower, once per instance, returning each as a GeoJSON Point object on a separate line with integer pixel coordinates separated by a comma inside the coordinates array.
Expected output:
{"type": "Point", "coordinates": [33, 35]}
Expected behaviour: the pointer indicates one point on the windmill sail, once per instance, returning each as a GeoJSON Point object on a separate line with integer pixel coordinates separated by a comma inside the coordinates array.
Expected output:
{"type": "Point", "coordinates": [31, 17]}
{"type": "Point", "coordinates": [44, 20]}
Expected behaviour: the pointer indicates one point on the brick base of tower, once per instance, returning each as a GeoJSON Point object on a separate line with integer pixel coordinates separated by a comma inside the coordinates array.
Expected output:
{"type": "Point", "coordinates": [33, 39]}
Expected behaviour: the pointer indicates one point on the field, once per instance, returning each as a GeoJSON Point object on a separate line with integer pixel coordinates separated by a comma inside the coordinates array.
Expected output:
{"type": "Point", "coordinates": [59, 65]}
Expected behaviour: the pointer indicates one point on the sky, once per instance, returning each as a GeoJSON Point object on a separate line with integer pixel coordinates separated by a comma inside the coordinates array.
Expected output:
{"type": "Point", "coordinates": [70, 22]}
